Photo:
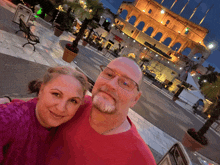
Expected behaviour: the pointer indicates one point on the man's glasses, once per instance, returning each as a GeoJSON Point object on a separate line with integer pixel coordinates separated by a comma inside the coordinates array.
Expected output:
{"type": "Point", "coordinates": [124, 82]}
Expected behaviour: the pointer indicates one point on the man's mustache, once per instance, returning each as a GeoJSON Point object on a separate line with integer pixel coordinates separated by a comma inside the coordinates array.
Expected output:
{"type": "Point", "coordinates": [109, 92]}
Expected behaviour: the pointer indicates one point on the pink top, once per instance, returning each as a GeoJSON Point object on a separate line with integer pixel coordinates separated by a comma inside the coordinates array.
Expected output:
{"type": "Point", "coordinates": [23, 140]}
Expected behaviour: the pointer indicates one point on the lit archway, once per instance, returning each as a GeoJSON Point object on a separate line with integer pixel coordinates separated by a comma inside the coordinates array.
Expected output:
{"type": "Point", "coordinates": [132, 55]}
{"type": "Point", "coordinates": [149, 31]}
{"type": "Point", "coordinates": [132, 20]}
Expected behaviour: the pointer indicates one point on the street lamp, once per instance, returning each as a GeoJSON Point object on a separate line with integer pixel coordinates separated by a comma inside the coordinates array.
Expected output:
{"type": "Point", "coordinates": [211, 46]}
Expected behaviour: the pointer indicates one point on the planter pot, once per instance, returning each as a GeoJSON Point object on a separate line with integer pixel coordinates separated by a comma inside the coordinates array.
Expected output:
{"type": "Point", "coordinates": [68, 55]}
{"type": "Point", "coordinates": [189, 142]}
{"type": "Point", "coordinates": [57, 32]}
{"type": "Point", "coordinates": [84, 43]}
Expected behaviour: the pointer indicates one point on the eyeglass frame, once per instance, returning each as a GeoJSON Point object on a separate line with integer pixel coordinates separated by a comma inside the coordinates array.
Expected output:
{"type": "Point", "coordinates": [138, 89]}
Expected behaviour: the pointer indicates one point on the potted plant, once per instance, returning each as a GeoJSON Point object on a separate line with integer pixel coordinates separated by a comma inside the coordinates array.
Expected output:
{"type": "Point", "coordinates": [70, 52]}
{"type": "Point", "coordinates": [195, 140]}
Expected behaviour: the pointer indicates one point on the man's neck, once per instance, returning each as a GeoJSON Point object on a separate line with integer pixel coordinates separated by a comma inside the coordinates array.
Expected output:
{"type": "Point", "coordinates": [108, 124]}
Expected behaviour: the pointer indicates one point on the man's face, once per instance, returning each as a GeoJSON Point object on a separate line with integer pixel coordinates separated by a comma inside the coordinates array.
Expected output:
{"type": "Point", "coordinates": [108, 96]}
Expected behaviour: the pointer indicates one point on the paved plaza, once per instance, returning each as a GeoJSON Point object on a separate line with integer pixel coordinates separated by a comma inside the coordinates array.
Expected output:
{"type": "Point", "coordinates": [49, 53]}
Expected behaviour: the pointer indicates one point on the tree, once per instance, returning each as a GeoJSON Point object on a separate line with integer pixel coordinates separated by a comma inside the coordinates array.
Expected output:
{"type": "Point", "coordinates": [212, 92]}
{"type": "Point", "coordinates": [88, 11]}
{"type": "Point", "coordinates": [210, 69]}
{"type": "Point", "coordinates": [93, 26]}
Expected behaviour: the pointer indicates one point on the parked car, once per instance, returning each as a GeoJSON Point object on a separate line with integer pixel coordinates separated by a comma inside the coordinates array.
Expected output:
{"type": "Point", "coordinates": [198, 108]}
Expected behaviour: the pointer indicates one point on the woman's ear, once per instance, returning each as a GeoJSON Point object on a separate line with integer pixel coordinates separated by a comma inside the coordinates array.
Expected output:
{"type": "Point", "coordinates": [40, 90]}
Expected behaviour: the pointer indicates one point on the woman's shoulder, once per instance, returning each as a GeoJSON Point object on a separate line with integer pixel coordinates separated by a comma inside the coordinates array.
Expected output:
{"type": "Point", "coordinates": [13, 111]}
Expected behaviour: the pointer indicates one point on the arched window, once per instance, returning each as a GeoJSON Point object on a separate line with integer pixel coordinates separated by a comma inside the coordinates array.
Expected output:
{"type": "Point", "coordinates": [149, 31]}
{"type": "Point", "coordinates": [168, 21]}
{"type": "Point", "coordinates": [132, 20]}
{"type": "Point", "coordinates": [167, 41]}
{"type": "Point", "coordinates": [140, 25]}
{"type": "Point", "coordinates": [176, 46]}
{"type": "Point", "coordinates": [158, 36]}
{"type": "Point", "coordinates": [186, 51]}
{"type": "Point", "coordinates": [150, 11]}
{"type": "Point", "coordinates": [197, 57]}
{"type": "Point", "coordinates": [123, 14]}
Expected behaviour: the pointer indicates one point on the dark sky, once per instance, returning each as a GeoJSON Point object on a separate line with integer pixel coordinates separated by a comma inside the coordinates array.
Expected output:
{"type": "Point", "coordinates": [211, 22]}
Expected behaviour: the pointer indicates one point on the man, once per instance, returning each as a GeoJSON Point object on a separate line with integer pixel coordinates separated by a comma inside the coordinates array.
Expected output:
{"type": "Point", "coordinates": [101, 133]}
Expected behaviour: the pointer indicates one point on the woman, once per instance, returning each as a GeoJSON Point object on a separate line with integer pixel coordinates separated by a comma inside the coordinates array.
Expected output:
{"type": "Point", "coordinates": [26, 127]}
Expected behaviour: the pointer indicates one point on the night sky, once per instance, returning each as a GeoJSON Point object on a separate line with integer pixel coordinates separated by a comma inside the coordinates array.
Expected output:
{"type": "Point", "coordinates": [211, 22]}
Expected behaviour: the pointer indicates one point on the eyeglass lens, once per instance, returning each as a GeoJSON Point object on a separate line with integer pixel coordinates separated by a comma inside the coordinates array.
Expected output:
{"type": "Point", "coordinates": [123, 82]}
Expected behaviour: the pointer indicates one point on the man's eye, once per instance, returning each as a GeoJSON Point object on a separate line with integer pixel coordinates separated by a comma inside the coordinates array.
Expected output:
{"type": "Point", "coordinates": [110, 75]}
{"type": "Point", "coordinates": [125, 83]}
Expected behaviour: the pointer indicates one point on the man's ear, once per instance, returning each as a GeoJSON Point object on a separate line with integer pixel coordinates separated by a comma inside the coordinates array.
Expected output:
{"type": "Point", "coordinates": [136, 99]}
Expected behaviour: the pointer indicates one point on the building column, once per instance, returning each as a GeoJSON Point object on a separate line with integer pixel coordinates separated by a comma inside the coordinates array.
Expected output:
{"type": "Point", "coordinates": [192, 53]}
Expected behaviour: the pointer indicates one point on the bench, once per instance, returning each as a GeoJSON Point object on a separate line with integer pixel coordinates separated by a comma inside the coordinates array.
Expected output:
{"type": "Point", "coordinates": [32, 39]}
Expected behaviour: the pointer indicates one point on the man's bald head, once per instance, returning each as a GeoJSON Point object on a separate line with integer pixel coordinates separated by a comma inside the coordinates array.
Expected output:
{"type": "Point", "coordinates": [129, 66]}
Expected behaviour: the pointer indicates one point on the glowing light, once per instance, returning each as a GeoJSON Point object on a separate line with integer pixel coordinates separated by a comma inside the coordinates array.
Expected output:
{"type": "Point", "coordinates": [145, 48]}
{"type": "Point", "coordinates": [187, 29]}
{"type": "Point", "coordinates": [143, 10]}
{"type": "Point", "coordinates": [181, 68]}
{"type": "Point", "coordinates": [205, 81]}
{"type": "Point", "coordinates": [195, 57]}
{"type": "Point", "coordinates": [168, 62]}
{"type": "Point", "coordinates": [126, 46]}
{"type": "Point", "coordinates": [211, 46]}
{"type": "Point", "coordinates": [209, 116]}
{"type": "Point", "coordinates": [178, 57]}
{"type": "Point", "coordinates": [123, 33]}
{"type": "Point", "coordinates": [156, 55]}
{"type": "Point", "coordinates": [161, 21]}
{"type": "Point", "coordinates": [133, 40]}
{"type": "Point", "coordinates": [178, 31]}
{"type": "Point", "coordinates": [162, 11]}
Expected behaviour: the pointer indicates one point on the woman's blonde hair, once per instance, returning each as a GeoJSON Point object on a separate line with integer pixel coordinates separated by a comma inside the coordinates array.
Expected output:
{"type": "Point", "coordinates": [52, 72]}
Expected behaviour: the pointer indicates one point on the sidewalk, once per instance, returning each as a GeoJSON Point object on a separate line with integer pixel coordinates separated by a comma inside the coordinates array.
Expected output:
{"type": "Point", "coordinates": [49, 52]}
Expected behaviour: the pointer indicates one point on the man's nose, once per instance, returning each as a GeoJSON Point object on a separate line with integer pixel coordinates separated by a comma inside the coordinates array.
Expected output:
{"type": "Point", "coordinates": [113, 82]}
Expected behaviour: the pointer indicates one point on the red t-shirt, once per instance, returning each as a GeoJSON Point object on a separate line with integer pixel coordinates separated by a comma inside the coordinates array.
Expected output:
{"type": "Point", "coordinates": [76, 142]}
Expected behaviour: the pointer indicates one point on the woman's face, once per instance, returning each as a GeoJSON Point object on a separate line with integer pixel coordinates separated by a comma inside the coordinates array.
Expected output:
{"type": "Point", "coordinates": [58, 101]}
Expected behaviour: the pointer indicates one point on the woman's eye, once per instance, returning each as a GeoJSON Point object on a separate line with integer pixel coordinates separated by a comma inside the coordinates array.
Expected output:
{"type": "Point", "coordinates": [74, 101]}
{"type": "Point", "coordinates": [56, 94]}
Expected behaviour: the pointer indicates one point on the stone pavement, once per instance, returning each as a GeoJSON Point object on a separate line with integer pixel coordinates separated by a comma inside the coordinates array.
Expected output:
{"type": "Point", "coordinates": [49, 53]}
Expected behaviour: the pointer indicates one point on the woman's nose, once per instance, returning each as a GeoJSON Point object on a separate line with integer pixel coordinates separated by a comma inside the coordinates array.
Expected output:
{"type": "Point", "coordinates": [61, 106]}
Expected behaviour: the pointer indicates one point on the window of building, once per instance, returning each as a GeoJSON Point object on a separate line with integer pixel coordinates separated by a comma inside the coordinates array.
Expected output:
{"type": "Point", "coordinates": [150, 11]}
{"type": "Point", "coordinates": [168, 21]}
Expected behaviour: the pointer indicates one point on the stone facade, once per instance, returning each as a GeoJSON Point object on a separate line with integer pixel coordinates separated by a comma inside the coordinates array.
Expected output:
{"type": "Point", "coordinates": [167, 64]}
